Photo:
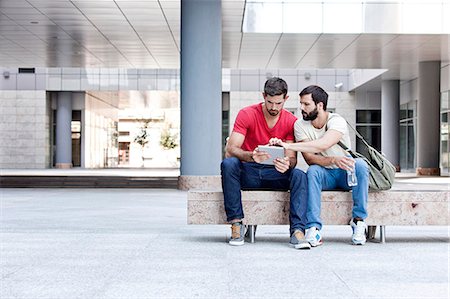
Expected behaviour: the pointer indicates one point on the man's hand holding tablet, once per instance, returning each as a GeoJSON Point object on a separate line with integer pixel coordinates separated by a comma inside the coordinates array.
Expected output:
{"type": "Point", "coordinates": [266, 154]}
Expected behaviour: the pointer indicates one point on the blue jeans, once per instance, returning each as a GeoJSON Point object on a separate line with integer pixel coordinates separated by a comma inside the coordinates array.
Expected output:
{"type": "Point", "coordinates": [238, 175]}
{"type": "Point", "coordinates": [321, 178]}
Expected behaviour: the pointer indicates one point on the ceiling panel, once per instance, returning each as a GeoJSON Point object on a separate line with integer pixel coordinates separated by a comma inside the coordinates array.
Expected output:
{"type": "Point", "coordinates": [325, 49]}
{"type": "Point", "coordinates": [14, 3]}
{"type": "Point", "coordinates": [146, 33]}
{"type": "Point", "coordinates": [290, 49]}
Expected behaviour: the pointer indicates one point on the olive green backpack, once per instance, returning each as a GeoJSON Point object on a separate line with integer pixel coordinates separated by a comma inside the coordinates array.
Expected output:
{"type": "Point", "coordinates": [382, 172]}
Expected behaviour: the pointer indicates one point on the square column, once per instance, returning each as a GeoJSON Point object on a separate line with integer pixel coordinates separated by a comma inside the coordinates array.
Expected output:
{"type": "Point", "coordinates": [64, 130]}
{"type": "Point", "coordinates": [201, 87]}
{"type": "Point", "coordinates": [428, 126]}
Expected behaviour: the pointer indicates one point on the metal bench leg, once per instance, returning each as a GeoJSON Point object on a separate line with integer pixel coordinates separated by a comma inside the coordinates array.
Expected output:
{"type": "Point", "coordinates": [250, 233]}
{"type": "Point", "coordinates": [371, 230]}
{"type": "Point", "coordinates": [383, 234]}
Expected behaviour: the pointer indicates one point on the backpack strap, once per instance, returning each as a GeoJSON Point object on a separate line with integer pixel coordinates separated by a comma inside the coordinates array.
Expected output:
{"type": "Point", "coordinates": [354, 130]}
{"type": "Point", "coordinates": [343, 146]}
{"type": "Point", "coordinates": [358, 135]}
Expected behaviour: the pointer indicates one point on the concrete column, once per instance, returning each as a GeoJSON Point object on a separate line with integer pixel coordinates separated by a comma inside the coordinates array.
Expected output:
{"type": "Point", "coordinates": [428, 118]}
{"type": "Point", "coordinates": [63, 130]}
{"type": "Point", "coordinates": [201, 88]}
{"type": "Point", "coordinates": [390, 125]}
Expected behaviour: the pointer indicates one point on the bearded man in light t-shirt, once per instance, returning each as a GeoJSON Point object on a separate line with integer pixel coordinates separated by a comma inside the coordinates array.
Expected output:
{"type": "Point", "coordinates": [242, 168]}
{"type": "Point", "coordinates": [319, 133]}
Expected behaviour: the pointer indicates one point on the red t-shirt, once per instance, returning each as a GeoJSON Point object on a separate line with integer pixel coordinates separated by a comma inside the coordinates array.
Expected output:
{"type": "Point", "coordinates": [251, 123]}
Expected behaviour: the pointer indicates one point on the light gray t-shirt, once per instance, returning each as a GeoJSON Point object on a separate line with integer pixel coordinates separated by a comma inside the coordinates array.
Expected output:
{"type": "Point", "coordinates": [305, 131]}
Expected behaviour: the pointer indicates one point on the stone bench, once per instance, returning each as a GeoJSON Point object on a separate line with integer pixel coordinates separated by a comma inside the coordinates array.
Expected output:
{"type": "Point", "coordinates": [272, 208]}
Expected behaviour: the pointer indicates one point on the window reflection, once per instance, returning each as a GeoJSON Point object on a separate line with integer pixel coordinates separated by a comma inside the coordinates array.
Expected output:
{"type": "Point", "coordinates": [408, 136]}
{"type": "Point", "coordinates": [445, 134]}
{"type": "Point", "coordinates": [368, 124]}
{"type": "Point", "coordinates": [349, 16]}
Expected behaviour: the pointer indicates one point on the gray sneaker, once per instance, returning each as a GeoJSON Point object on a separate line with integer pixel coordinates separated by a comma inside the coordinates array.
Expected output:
{"type": "Point", "coordinates": [298, 240]}
{"type": "Point", "coordinates": [237, 234]}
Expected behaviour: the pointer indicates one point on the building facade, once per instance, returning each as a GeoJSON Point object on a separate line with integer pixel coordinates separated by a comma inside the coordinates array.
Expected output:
{"type": "Point", "coordinates": [76, 91]}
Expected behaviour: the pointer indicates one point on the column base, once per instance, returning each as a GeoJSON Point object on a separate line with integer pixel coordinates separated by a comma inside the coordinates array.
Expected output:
{"type": "Point", "coordinates": [428, 171]}
{"type": "Point", "coordinates": [212, 182]}
{"type": "Point", "coordinates": [63, 165]}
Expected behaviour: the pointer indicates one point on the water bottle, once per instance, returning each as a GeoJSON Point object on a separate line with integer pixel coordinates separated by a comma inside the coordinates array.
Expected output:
{"type": "Point", "coordinates": [351, 177]}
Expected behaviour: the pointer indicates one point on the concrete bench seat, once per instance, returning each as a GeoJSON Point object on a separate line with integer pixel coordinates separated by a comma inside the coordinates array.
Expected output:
{"type": "Point", "coordinates": [272, 208]}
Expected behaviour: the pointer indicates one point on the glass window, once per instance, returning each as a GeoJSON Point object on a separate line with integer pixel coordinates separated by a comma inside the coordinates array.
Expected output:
{"type": "Point", "coordinates": [445, 133]}
{"type": "Point", "coordinates": [445, 100]}
{"type": "Point", "coordinates": [403, 112]}
{"type": "Point", "coordinates": [403, 145]}
{"type": "Point", "coordinates": [372, 134]}
{"type": "Point", "coordinates": [368, 124]}
{"type": "Point", "coordinates": [368, 116]}
{"type": "Point", "coordinates": [308, 23]}
{"type": "Point", "coordinates": [408, 136]}
{"type": "Point", "coordinates": [445, 144]}
{"type": "Point", "coordinates": [411, 146]}
{"type": "Point", "coordinates": [336, 17]}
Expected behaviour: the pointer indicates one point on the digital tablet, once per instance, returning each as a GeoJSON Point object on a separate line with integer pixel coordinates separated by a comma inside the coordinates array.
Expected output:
{"type": "Point", "coordinates": [273, 151]}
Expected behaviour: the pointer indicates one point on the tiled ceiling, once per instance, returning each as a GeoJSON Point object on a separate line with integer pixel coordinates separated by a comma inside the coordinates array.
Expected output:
{"type": "Point", "coordinates": [146, 34]}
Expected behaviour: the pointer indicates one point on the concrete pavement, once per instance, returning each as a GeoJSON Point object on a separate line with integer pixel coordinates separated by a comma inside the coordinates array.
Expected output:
{"type": "Point", "coordinates": [134, 243]}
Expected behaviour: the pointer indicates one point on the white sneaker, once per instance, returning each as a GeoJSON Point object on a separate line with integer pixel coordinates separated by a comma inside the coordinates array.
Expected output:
{"type": "Point", "coordinates": [313, 237]}
{"type": "Point", "coordinates": [359, 232]}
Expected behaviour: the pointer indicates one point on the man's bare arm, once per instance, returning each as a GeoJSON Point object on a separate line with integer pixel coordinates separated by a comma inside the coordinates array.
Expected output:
{"type": "Point", "coordinates": [330, 138]}
{"type": "Point", "coordinates": [233, 148]}
{"type": "Point", "coordinates": [314, 159]}
{"type": "Point", "coordinates": [345, 163]}
{"type": "Point", "coordinates": [292, 155]}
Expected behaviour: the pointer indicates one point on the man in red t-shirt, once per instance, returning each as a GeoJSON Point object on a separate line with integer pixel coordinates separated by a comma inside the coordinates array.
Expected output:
{"type": "Point", "coordinates": [242, 169]}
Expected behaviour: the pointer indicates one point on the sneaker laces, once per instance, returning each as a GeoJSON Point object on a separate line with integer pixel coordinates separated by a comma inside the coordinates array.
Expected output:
{"type": "Point", "coordinates": [236, 230]}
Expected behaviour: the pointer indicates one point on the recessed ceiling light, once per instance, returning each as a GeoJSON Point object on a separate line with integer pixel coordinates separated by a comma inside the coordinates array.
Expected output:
{"type": "Point", "coordinates": [34, 22]}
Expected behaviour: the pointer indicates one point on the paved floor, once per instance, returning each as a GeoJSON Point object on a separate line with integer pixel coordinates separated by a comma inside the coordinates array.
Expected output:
{"type": "Point", "coordinates": [134, 243]}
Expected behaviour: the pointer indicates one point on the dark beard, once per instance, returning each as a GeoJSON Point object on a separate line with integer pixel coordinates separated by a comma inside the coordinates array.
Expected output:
{"type": "Point", "coordinates": [310, 116]}
{"type": "Point", "coordinates": [273, 112]}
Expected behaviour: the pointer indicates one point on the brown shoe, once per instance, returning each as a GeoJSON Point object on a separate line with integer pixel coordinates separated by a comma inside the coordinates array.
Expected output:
{"type": "Point", "coordinates": [237, 234]}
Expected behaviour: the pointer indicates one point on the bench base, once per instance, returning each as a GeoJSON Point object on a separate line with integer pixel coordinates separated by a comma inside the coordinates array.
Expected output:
{"type": "Point", "coordinates": [250, 233]}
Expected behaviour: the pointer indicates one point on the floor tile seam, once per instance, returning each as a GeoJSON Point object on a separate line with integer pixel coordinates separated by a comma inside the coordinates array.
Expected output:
{"type": "Point", "coordinates": [354, 294]}
{"type": "Point", "coordinates": [7, 275]}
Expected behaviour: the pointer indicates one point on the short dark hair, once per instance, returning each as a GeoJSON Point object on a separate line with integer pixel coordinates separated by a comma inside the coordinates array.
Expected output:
{"type": "Point", "coordinates": [275, 86]}
{"type": "Point", "coordinates": [317, 93]}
